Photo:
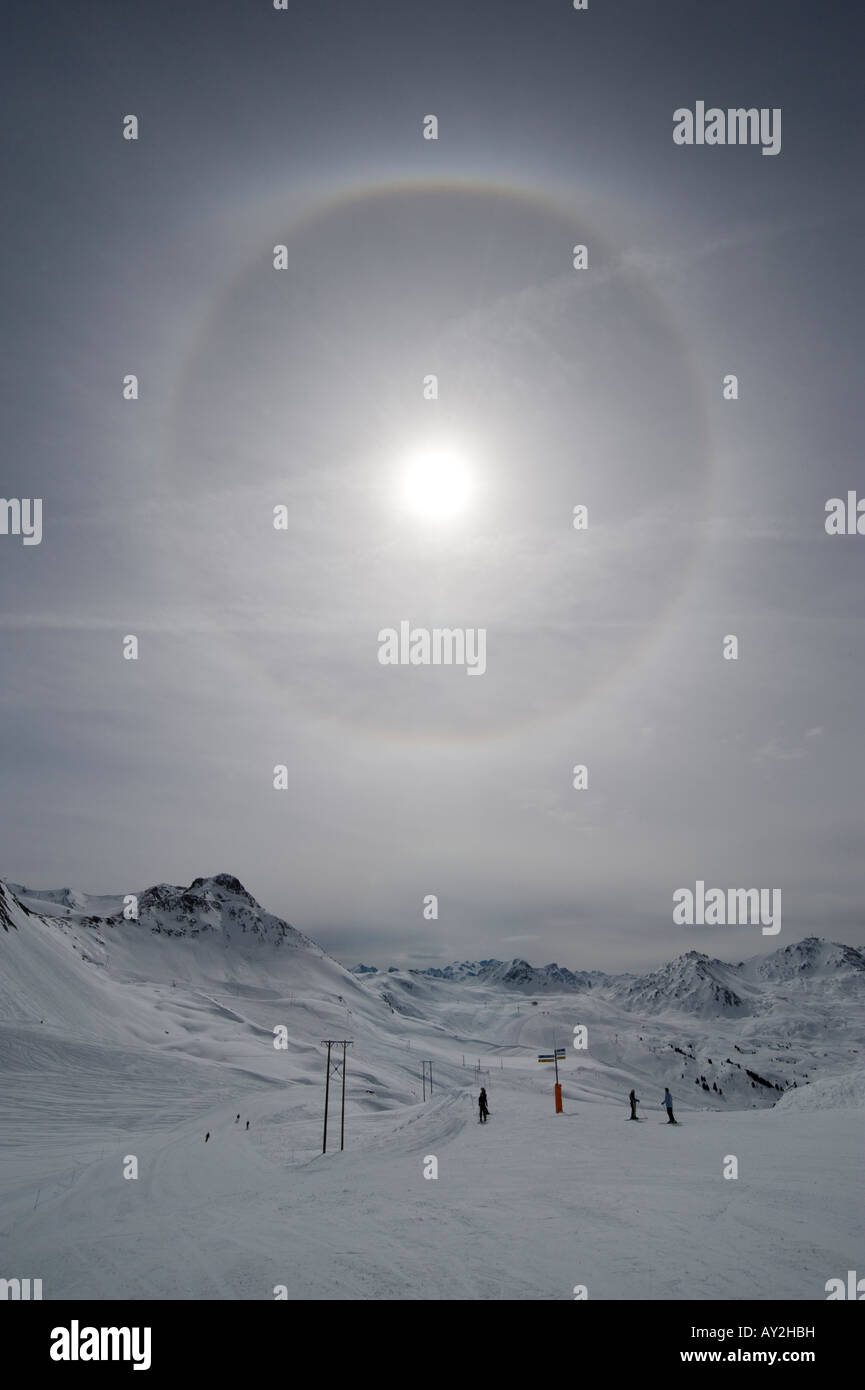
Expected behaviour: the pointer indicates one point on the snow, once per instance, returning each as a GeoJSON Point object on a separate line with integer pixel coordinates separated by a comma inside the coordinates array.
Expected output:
{"type": "Point", "coordinates": [138, 1037]}
{"type": "Point", "coordinates": [828, 1093]}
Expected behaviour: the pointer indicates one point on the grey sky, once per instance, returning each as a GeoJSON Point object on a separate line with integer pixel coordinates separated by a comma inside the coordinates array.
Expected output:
{"type": "Point", "coordinates": [303, 387]}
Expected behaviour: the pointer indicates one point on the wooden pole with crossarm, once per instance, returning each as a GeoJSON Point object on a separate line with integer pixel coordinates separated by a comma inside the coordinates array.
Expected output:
{"type": "Point", "coordinates": [337, 1066]}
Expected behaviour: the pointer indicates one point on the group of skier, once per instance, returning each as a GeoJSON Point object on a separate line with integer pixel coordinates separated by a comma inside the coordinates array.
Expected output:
{"type": "Point", "coordinates": [483, 1108]}
{"type": "Point", "coordinates": [668, 1106]}
{"type": "Point", "coordinates": [236, 1121]}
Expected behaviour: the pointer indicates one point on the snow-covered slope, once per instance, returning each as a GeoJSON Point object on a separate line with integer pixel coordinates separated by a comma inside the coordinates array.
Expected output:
{"type": "Point", "coordinates": [138, 1037]}
{"type": "Point", "coordinates": [828, 1093]}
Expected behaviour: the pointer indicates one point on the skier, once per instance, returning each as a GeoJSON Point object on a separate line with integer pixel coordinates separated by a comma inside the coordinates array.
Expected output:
{"type": "Point", "coordinates": [668, 1103]}
{"type": "Point", "coordinates": [482, 1105]}
{"type": "Point", "coordinates": [247, 1124]}
{"type": "Point", "coordinates": [237, 1120]}
{"type": "Point", "coordinates": [634, 1103]}
{"type": "Point", "coordinates": [207, 1136]}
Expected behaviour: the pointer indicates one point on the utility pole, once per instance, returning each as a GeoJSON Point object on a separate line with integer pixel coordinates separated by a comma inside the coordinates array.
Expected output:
{"type": "Point", "coordinates": [342, 1112]}
{"type": "Point", "coordinates": [337, 1067]}
{"type": "Point", "coordinates": [326, 1095]}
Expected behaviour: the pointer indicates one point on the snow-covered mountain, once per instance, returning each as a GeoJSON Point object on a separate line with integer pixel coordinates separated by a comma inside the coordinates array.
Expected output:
{"type": "Point", "coordinates": [537, 979]}
{"type": "Point", "coordinates": [516, 974]}
{"type": "Point", "coordinates": [73, 961]}
{"type": "Point", "coordinates": [457, 970]}
{"type": "Point", "coordinates": [692, 983]}
{"type": "Point", "coordinates": [807, 960]}
{"type": "Point", "coordinates": [216, 905]}
{"type": "Point", "coordinates": [696, 984]}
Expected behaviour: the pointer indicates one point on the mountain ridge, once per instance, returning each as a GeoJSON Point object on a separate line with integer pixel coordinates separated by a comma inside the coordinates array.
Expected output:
{"type": "Point", "coordinates": [218, 907]}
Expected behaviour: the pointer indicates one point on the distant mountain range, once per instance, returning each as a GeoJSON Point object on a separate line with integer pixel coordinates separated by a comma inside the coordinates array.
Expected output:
{"type": "Point", "coordinates": [692, 983]}
{"type": "Point", "coordinates": [514, 974]}
{"type": "Point", "coordinates": [220, 909]}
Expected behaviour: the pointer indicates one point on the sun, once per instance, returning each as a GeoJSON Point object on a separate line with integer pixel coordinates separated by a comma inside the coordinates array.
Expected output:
{"type": "Point", "coordinates": [436, 485]}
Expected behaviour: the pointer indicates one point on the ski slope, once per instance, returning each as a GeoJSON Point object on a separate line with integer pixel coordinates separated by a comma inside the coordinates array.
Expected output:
{"type": "Point", "coordinates": [128, 1040]}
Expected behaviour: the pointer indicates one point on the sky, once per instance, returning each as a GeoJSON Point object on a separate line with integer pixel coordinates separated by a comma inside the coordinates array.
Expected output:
{"type": "Point", "coordinates": [558, 387]}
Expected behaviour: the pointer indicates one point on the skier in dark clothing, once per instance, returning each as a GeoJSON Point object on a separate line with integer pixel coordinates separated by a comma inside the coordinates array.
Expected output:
{"type": "Point", "coordinates": [482, 1106]}
{"type": "Point", "coordinates": [634, 1103]}
{"type": "Point", "coordinates": [247, 1124]}
{"type": "Point", "coordinates": [668, 1103]}
{"type": "Point", "coordinates": [207, 1136]}
{"type": "Point", "coordinates": [237, 1120]}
